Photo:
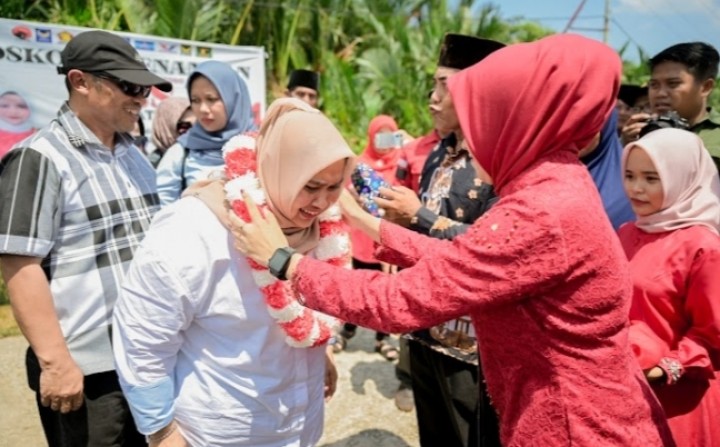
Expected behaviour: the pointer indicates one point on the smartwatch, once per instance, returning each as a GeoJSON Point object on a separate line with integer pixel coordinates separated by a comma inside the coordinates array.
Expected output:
{"type": "Point", "coordinates": [280, 261]}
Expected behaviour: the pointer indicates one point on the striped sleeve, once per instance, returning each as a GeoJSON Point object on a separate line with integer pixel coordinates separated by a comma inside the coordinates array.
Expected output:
{"type": "Point", "coordinates": [30, 189]}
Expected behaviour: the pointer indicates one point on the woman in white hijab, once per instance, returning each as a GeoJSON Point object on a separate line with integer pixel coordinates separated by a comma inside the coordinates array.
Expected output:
{"type": "Point", "coordinates": [674, 253]}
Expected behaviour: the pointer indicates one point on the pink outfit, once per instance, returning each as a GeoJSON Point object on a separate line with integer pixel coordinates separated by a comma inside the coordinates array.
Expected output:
{"type": "Point", "coordinates": [541, 274]}
{"type": "Point", "coordinates": [415, 153]}
{"type": "Point", "coordinates": [385, 165]}
{"type": "Point", "coordinates": [674, 258]}
{"type": "Point", "coordinates": [676, 276]}
{"type": "Point", "coordinates": [9, 139]}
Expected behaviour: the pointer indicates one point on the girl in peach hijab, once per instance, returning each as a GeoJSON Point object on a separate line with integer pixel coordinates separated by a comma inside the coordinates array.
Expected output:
{"type": "Point", "coordinates": [674, 253]}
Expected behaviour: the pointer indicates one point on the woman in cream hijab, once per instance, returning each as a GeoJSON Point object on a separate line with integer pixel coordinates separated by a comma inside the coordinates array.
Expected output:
{"type": "Point", "coordinates": [200, 357]}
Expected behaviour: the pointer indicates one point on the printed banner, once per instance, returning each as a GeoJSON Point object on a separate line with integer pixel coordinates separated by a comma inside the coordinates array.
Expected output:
{"type": "Point", "coordinates": [30, 53]}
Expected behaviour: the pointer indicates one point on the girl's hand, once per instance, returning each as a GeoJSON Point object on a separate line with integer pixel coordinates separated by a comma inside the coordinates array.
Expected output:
{"type": "Point", "coordinates": [654, 374]}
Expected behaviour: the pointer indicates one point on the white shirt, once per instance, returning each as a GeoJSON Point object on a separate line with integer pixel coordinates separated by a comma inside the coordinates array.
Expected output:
{"type": "Point", "coordinates": [194, 341]}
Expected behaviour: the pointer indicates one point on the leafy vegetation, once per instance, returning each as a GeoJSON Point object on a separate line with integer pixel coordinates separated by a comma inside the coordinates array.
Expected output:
{"type": "Point", "coordinates": [375, 56]}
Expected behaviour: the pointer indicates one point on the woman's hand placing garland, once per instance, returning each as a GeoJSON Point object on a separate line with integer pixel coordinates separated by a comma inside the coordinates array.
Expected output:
{"type": "Point", "coordinates": [259, 238]}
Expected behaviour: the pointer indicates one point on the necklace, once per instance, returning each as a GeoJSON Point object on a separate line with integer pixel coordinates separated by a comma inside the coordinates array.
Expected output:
{"type": "Point", "coordinates": [303, 327]}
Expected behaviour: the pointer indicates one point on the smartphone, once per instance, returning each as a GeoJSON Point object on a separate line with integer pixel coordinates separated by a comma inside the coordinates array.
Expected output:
{"type": "Point", "coordinates": [367, 182]}
{"type": "Point", "coordinates": [385, 140]}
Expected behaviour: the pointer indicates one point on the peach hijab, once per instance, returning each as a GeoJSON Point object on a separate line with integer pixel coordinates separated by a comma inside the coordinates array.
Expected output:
{"type": "Point", "coordinates": [690, 183]}
{"type": "Point", "coordinates": [296, 141]}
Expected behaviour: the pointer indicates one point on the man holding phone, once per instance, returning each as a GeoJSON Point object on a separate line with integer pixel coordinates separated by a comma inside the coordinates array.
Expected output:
{"type": "Point", "coordinates": [452, 407]}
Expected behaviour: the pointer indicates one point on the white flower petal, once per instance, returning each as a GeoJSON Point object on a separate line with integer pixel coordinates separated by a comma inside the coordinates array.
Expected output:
{"type": "Point", "coordinates": [287, 313]}
{"type": "Point", "coordinates": [332, 214]}
{"type": "Point", "coordinates": [333, 246]}
{"type": "Point", "coordinates": [263, 278]}
{"type": "Point", "coordinates": [248, 182]}
{"type": "Point", "coordinates": [238, 142]}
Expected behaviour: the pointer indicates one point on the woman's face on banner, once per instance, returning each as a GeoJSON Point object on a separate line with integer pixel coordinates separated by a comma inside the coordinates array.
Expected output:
{"type": "Point", "coordinates": [14, 109]}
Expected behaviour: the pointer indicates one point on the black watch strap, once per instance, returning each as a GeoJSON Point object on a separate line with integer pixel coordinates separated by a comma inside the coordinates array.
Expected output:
{"type": "Point", "coordinates": [280, 261]}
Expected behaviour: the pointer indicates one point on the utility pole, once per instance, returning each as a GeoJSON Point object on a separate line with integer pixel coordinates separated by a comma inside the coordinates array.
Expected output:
{"type": "Point", "coordinates": [574, 16]}
{"type": "Point", "coordinates": [606, 21]}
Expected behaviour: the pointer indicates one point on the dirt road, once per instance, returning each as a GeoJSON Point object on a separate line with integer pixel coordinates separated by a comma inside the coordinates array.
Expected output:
{"type": "Point", "coordinates": [362, 413]}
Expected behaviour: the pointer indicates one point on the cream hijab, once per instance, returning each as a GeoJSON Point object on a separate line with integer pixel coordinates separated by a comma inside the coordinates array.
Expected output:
{"type": "Point", "coordinates": [296, 142]}
{"type": "Point", "coordinates": [690, 183]}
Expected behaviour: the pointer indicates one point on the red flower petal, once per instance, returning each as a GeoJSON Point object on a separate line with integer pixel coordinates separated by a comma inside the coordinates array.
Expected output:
{"type": "Point", "coordinates": [240, 162]}
{"type": "Point", "coordinates": [275, 295]}
{"type": "Point", "coordinates": [299, 328]}
{"type": "Point", "coordinates": [329, 228]}
{"type": "Point", "coordinates": [241, 210]}
{"type": "Point", "coordinates": [325, 334]}
{"type": "Point", "coordinates": [255, 266]}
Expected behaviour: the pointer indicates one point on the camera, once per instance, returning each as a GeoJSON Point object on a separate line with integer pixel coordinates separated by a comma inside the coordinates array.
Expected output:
{"type": "Point", "coordinates": [669, 120]}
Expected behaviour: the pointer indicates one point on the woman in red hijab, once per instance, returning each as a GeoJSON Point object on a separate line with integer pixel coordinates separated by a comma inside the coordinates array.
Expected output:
{"type": "Point", "coordinates": [383, 159]}
{"type": "Point", "coordinates": [542, 274]}
{"type": "Point", "coordinates": [381, 154]}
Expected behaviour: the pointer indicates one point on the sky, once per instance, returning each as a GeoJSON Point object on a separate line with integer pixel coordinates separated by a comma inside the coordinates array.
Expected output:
{"type": "Point", "coordinates": [651, 25]}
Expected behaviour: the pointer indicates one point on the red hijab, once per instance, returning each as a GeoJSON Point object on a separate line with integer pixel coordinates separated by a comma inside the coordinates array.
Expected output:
{"type": "Point", "coordinates": [514, 115]}
{"type": "Point", "coordinates": [386, 163]}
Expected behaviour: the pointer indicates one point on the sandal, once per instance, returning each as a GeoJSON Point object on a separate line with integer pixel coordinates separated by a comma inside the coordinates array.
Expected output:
{"type": "Point", "coordinates": [340, 344]}
{"type": "Point", "coordinates": [387, 350]}
{"type": "Point", "coordinates": [347, 334]}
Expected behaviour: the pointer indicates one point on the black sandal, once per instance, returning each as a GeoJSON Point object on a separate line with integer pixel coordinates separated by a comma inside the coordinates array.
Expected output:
{"type": "Point", "coordinates": [347, 334]}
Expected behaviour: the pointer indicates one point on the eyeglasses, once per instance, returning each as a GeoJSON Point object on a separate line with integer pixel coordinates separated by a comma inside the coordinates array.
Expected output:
{"type": "Point", "coordinates": [183, 126]}
{"type": "Point", "coordinates": [128, 88]}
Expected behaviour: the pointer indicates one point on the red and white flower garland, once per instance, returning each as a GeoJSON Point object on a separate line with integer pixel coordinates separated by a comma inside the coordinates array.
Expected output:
{"type": "Point", "coordinates": [303, 327]}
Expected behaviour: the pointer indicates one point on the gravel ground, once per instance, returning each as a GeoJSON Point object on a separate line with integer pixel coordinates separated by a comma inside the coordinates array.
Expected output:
{"type": "Point", "coordinates": [362, 413]}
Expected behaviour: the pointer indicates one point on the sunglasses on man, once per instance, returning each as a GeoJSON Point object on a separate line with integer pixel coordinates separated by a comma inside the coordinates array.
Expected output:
{"type": "Point", "coordinates": [128, 88]}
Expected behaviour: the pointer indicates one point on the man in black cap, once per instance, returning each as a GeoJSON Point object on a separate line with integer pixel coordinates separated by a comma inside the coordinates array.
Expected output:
{"type": "Point", "coordinates": [303, 85]}
{"type": "Point", "coordinates": [450, 399]}
{"type": "Point", "coordinates": [77, 198]}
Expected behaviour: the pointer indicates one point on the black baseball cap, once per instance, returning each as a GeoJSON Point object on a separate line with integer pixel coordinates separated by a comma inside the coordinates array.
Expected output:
{"type": "Point", "coordinates": [101, 51]}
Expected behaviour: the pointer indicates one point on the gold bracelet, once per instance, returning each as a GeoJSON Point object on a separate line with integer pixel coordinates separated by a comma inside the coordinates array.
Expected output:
{"type": "Point", "coordinates": [163, 433]}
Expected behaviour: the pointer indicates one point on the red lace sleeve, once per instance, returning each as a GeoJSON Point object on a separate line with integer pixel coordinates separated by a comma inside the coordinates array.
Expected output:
{"type": "Point", "coordinates": [498, 260]}
{"type": "Point", "coordinates": [403, 247]}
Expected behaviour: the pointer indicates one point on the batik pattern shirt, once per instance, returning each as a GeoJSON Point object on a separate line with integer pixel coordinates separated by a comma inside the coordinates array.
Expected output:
{"type": "Point", "coordinates": [453, 197]}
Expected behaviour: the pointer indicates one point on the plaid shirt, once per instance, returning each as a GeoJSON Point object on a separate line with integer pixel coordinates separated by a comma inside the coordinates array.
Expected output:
{"type": "Point", "coordinates": [83, 209]}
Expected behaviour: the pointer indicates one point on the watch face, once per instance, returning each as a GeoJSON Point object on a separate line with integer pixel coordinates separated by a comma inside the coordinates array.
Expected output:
{"type": "Point", "coordinates": [279, 261]}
